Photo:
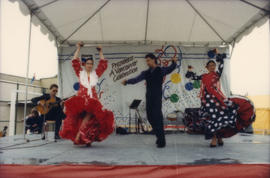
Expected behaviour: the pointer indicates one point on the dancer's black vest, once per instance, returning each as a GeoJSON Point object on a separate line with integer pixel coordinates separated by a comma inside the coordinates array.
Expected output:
{"type": "Point", "coordinates": [154, 81]}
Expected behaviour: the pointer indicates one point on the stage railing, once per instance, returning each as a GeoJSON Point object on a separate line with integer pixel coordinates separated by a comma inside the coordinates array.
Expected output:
{"type": "Point", "coordinates": [15, 90]}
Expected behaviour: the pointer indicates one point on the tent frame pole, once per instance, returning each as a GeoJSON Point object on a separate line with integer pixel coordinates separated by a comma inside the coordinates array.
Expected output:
{"type": "Point", "coordinates": [60, 77]}
{"type": "Point", "coordinates": [148, 42]}
{"type": "Point", "coordinates": [44, 5]}
{"type": "Point", "coordinates": [49, 27]}
{"type": "Point", "coordinates": [204, 19]}
{"type": "Point", "coordinates": [89, 18]}
{"type": "Point", "coordinates": [146, 22]}
{"type": "Point", "coordinates": [232, 46]}
{"type": "Point", "coordinates": [27, 73]}
{"type": "Point", "coordinates": [257, 7]}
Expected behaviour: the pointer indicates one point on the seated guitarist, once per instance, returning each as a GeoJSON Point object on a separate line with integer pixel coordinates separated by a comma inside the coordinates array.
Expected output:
{"type": "Point", "coordinates": [51, 108]}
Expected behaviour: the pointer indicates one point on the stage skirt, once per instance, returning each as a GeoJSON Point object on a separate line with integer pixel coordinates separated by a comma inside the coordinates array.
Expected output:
{"type": "Point", "coordinates": [246, 115]}
{"type": "Point", "coordinates": [99, 126]}
{"type": "Point", "coordinates": [226, 121]}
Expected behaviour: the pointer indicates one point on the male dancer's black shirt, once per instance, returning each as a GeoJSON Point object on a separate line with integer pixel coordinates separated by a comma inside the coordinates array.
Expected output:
{"type": "Point", "coordinates": [154, 79]}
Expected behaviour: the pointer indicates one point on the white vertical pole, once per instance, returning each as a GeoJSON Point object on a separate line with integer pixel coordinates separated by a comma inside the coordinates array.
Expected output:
{"type": "Point", "coordinates": [60, 80]}
{"type": "Point", "coordinates": [27, 73]}
{"type": "Point", "coordinates": [12, 123]}
{"type": "Point", "coordinates": [1, 14]}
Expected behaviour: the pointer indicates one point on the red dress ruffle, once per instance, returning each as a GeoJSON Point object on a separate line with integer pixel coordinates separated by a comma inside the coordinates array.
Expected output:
{"type": "Point", "coordinates": [98, 128]}
{"type": "Point", "coordinates": [246, 116]}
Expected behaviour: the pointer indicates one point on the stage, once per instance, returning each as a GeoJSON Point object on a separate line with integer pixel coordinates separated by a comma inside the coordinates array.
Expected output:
{"type": "Point", "coordinates": [118, 151]}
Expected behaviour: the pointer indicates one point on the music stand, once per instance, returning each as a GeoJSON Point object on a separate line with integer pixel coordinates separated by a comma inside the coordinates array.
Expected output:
{"type": "Point", "coordinates": [138, 120]}
{"type": "Point", "coordinates": [135, 104]}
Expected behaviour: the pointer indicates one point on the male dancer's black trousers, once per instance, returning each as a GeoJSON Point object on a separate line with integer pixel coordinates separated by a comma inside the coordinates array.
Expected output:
{"type": "Point", "coordinates": [155, 116]}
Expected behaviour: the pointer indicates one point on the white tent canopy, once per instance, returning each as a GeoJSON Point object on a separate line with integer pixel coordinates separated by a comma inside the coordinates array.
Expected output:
{"type": "Point", "coordinates": [183, 22]}
{"type": "Point", "coordinates": [191, 23]}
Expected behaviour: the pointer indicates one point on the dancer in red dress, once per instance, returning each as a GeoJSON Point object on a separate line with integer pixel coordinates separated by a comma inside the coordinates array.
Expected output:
{"type": "Point", "coordinates": [222, 116]}
{"type": "Point", "coordinates": [86, 120]}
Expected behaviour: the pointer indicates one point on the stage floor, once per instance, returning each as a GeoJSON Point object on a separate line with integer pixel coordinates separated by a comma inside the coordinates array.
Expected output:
{"type": "Point", "coordinates": [135, 149]}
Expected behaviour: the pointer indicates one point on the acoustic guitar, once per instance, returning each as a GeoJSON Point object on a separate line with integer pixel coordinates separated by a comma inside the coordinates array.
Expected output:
{"type": "Point", "coordinates": [45, 106]}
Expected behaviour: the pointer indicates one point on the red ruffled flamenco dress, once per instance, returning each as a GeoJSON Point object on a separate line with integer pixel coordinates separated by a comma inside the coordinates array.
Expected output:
{"type": "Point", "coordinates": [101, 122]}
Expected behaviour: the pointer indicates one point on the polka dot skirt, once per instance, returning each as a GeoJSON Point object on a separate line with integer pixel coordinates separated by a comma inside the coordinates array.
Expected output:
{"type": "Point", "coordinates": [216, 116]}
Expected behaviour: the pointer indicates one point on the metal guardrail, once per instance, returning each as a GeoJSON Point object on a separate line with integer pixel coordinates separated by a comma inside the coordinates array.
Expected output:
{"type": "Point", "coordinates": [20, 83]}
{"type": "Point", "coordinates": [17, 87]}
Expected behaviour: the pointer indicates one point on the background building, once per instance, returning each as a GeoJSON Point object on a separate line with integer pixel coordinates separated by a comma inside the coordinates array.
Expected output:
{"type": "Point", "coordinates": [8, 85]}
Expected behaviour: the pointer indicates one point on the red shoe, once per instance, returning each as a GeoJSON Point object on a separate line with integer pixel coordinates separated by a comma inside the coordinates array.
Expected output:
{"type": "Point", "coordinates": [77, 142]}
{"type": "Point", "coordinates": [88, 144]}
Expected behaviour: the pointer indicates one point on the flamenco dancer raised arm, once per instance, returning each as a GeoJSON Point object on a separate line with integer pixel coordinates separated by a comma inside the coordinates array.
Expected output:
{"type": "Point", "coordinates": [210, 66]}
{"type": "Point", "coordinates": [76, 62]}
{"type": "Point", "coordinates": [210, 80]}
{"type": "Point", "coordinates": [192, 75]}
{"type": "Point", "coordinates": [220, 114]}
{"type": "Point", "coordinates": [86, 121]}
{"type": "Point", "coordinates": [77, 52]}
{"type": "Point", "coordinates": [103, 63]}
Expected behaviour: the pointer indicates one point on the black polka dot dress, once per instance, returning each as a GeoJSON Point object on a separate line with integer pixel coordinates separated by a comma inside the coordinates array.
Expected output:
{"type": "Point", "coordinates": [217, 116]}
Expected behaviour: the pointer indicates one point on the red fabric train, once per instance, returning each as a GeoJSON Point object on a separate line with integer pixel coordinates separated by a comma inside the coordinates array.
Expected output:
{"type": "Point", "coordinates": [246, 115]}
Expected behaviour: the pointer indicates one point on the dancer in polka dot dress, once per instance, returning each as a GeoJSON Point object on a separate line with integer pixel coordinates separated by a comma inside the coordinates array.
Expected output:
{"type": "Point", "coordinates": [86, 120]}
{"type": "Point", "coordinates": [217, 111]}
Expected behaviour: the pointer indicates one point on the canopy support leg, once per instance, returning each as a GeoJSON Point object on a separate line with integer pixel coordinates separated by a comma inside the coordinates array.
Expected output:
{"type": "Point", "coordinates": [27, 73]}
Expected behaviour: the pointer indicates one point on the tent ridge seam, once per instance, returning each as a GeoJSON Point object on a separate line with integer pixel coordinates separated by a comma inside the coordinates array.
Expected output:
{"type": "Point", "coordinates": [211, 27]}
{"type": "Point", "coordinates": [89, 18]}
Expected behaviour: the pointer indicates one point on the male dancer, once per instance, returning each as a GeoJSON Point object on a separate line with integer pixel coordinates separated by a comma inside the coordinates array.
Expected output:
{"type": "Point", "coordinates": [154, 79]}
{"type": "Point", "coordinates": [55, 112]}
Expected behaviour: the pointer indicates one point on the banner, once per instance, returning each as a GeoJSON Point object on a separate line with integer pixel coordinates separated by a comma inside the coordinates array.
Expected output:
{"type": "Point", "coordinates": [125, 62]}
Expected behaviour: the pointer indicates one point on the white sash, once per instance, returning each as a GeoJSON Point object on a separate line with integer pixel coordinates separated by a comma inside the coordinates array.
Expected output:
{"type": "Point", "coordinates": [88, 84]}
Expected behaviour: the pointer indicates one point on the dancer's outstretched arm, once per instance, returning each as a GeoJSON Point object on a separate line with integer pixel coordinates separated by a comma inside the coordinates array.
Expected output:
{"type": "Point", "coordinates": [103, 63]}
{"type": "Point", "coordinates": [100, 50]}
{"type": "Point", "coordinates": [192, 75]}
{"type": "Point", "coordinates": [196, 77]}
{"type": "Point", "coordinates": [76, 62]}
{"type": "Point", "coordinates": [135, 80]}
{"type": "Point", "coordinates": [220, 67]}
{"type": "Point", "coordinates": [77, 52]}
{"type": "Point", "coordinates": [168, 70]}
